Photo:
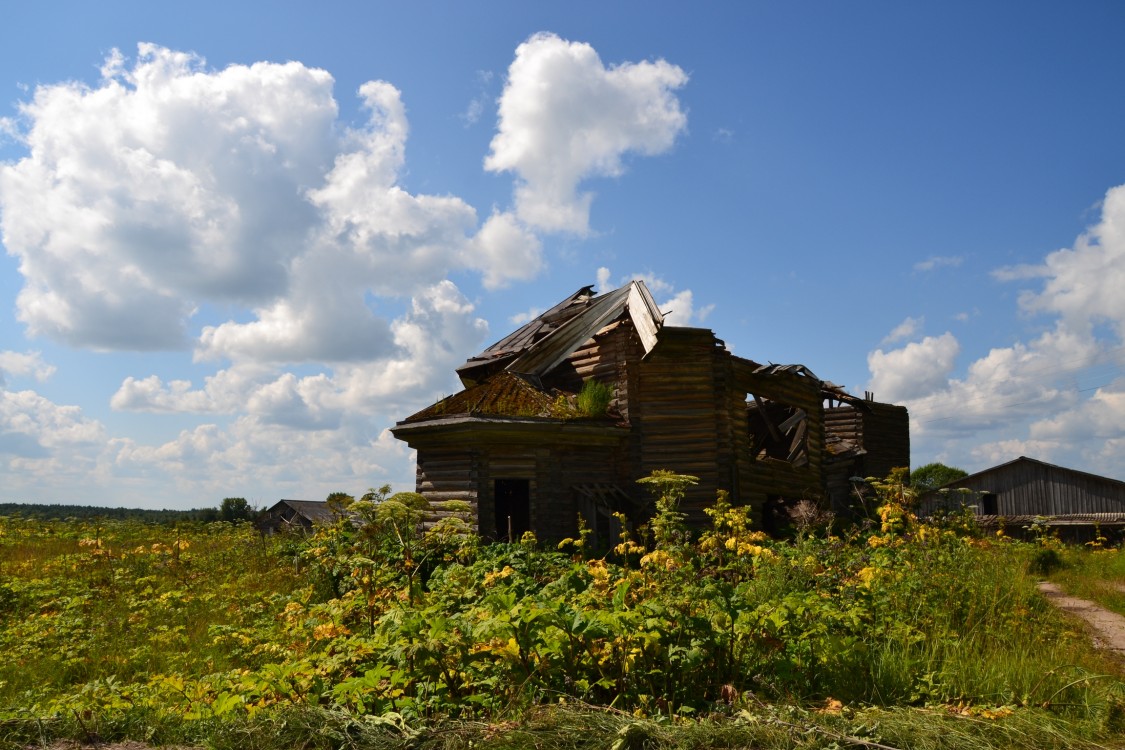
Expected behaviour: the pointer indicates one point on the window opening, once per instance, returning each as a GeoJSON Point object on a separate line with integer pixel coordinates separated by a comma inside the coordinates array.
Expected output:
{"type": "Point", "coordinates": [777, 430]}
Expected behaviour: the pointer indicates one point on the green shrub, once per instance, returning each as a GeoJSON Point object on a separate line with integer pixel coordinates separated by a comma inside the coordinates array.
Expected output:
{"type": "Point", "coordinates": [1045, 561]}
{"type": "Point", "coordinates": [594, 398]}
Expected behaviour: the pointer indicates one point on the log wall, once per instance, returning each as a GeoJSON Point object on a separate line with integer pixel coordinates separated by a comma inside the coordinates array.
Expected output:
{"type": "Point", "coordinates": [445, 474]}
{"type": "Point", "coordinates": [845, 422]}
{"type": "Point", "coordinates": [886, 438]}
{"type": "Point", "coordinates": [551, 471]}
{"type": "Point", "coordinates": [680, 414]}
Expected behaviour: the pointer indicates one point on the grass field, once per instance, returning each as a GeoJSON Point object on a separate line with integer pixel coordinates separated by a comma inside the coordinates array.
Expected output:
{"type": "Point", "coordinates": [896, 634]}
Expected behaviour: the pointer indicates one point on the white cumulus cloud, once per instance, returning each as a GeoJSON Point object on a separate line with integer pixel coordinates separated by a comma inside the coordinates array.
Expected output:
{"type": "Point", "coordinates": [1102, 416]}
{"type": "Point", "coordinates": [24, 364]}
{"type": "Point", "coordinates": [505, 251]}
{"type": "Point", "coordinates": [212, 462]}
{"type": "Point", "coordinates": [904, 330]}
{"type": "Point", "coordinates": [1002, 451]}
{"type": "Point", "coordinates": [170, 185]}
{"type": "Point", "coordinates": [680, 310]}
{"type": "Point", "coordinates": [166, 184]}
{"type": "Point", "coordinates": [428, 343]}
{"type": "Point", "coordinates": [566, 117]}
{"type": "Point", "coordinates": [1084, 284]}
{"type": "Point", "coordinates": [915, 370]}
{"type": "Point", "coordinates": [46, 449]}
{"type": "Point", "coordinates": [225, 392]}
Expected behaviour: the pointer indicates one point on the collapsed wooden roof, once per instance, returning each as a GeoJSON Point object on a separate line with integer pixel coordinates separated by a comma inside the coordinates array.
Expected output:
{"type": "Point", "coordinates": [505, 380]}
{"type": "Point", "coordinates": [538, 346]}
{"type": "Point", "coordinates": [314, 511]}
{"type": "Point", "coordinates": [507, 394]}
{"type": "Point", "coordinates": [829, 391]}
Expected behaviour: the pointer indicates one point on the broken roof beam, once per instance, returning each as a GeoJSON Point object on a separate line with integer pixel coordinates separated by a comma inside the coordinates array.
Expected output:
{"type": "Point", "coordinates": [546, 354]}
{"type": "Point", "coordinates": [496, 356]}
{"type": "Point", "coordinates": [646, 316]}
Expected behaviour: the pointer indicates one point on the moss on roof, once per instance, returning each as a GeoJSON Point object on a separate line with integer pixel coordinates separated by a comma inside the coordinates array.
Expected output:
{"type": "Point", "coordinates": [505, 394]}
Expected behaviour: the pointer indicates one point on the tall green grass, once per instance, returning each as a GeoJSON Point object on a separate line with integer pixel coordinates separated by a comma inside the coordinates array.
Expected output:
{"type": "Point", "coordinates": [381, 636]}
{"type": "Point", "coordinates": [1095, 574]}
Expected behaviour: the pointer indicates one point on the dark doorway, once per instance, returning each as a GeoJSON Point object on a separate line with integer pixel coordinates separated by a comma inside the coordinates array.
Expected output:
{"type": "Point", "coordinates": [988, 504]}
{"type": "Point", "coordinates": [513, 508]}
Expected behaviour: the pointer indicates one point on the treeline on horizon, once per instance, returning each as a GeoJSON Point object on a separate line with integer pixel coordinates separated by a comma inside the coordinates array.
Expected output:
{"type": "Point", "coordinates": [58, 512]}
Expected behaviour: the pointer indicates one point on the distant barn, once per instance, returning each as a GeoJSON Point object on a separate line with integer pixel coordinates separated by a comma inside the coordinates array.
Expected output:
{"type": "Point", "coordinates": [522, 449]}
{"type": "Point", "coordinates": [1015, 493]}
{"type": "Point", "coordinates": [299, 516]}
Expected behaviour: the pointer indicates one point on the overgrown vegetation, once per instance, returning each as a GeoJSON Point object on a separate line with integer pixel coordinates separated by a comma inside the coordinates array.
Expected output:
{"type": "Point", "coordinates": [380, 635]}
{"type": "Point", "coordinates": [594, 398]}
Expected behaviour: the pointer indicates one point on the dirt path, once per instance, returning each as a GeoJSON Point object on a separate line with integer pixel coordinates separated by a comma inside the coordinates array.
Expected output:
{"type": "Point", "coordinates": [1108, 627]}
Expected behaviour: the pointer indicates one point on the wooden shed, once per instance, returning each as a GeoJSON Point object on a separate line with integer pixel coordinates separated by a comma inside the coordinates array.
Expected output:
{"type": "Point", "coordinates": [1015, 493]}
{"type": "Point", "coordinates": [517, 445]}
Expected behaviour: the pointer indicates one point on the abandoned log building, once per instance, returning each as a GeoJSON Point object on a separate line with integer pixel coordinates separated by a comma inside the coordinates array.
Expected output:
{"type": "Point", "coordinates": [526, 452]}
{"type": "Point", "coordinates": [300, 516]}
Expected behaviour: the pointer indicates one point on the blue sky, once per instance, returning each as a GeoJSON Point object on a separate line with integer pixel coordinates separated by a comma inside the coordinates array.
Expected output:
{"type": "Point", "coordinates": [243, 240]}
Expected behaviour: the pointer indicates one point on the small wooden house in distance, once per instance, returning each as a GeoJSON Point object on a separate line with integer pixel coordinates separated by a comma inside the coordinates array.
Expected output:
{"type": "Point", "coordinates": [1018, 492]}
{"type": "Point", "coordinates": [295, 516]}
{"type": "Point", "coordinates": [522, 445]}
